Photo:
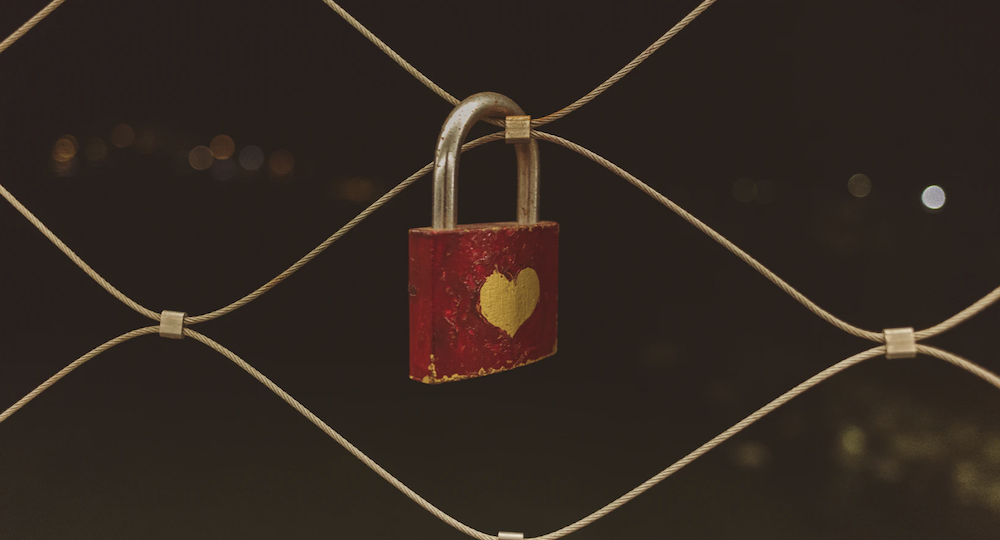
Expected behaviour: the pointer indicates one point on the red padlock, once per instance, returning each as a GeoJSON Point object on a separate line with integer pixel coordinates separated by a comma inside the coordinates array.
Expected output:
{"type": "Point", "coordinates": [483, 297]}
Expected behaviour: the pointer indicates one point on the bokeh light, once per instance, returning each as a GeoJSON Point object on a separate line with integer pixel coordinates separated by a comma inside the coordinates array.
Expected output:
{"type": "Point", "coordinates": [766, 192]}
{"type": "Point", "coordinates": [852, 441]}
{"type": "Point", "coordinates": [924, 446]}
{"type": "Point", "coordinates": [281, 163]}
{"type": "Point", "coordinates": [751, 455]}
{"type": "Point", "coordinates": [357, 190]}
{"type": "Point", "coordinates": [992, 449]}
{"type": "Point", "coordinates": [223, 169]}
{"type": "Point", "coordinates": [992, 495]}
{"type": "Point", "coordinates": [933, 197]}
{"type": "Point", "coordinates": [145, 141]}
{"type": "Point", "coordinates": [887, 469]}
{"type": "Point", "coordinates": [122, 135]}
{"type": "Point", "coordinates": [222, 147]}
{"type": "Point", "coordinates": [200, 158]}
{"type": "Point", "coordinates": [96, 149]}
{"type": "Point", "coordinates": [251, 158]}
{"type": "Point", "coordinates": [744, 190]}
{"type": "Point", "coordinates": [965, 475]}
{"type": "Point", "coordinates": [859, 185]}
{"type": "Point", "coordinates": [64, 168]}
{"type": "Point", "coordinates": [65, 148]}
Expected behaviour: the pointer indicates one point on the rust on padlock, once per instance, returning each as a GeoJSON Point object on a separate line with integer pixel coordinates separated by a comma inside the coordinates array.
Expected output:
{"type": "Point", "coordinates": [483, 298]}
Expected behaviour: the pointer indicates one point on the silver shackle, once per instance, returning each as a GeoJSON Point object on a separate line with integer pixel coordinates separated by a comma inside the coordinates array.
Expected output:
{"type": "Point", "coordinates": [456, 128]}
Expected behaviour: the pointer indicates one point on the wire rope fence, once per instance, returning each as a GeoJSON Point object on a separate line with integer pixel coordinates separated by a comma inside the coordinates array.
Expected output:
{"type": "Point", "coordinates": [890, 342]}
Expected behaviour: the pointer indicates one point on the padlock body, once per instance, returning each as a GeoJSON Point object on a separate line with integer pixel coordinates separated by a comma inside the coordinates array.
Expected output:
{"type": "Point", "coordinates": [483, 298]}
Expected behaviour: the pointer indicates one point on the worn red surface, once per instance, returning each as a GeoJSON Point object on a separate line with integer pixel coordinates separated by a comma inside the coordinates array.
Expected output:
{"type": "Point", "coordinates": [449, 337]}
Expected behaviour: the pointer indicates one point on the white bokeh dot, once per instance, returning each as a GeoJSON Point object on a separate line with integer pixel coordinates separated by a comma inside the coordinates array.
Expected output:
{"type": "Point", "coordinates": [933, 197]}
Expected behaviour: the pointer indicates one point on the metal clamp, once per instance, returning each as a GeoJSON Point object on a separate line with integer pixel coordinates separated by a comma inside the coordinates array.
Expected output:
{"type": "Point", "coordinates": [900, 343]}
{"type": "Point", "coordinates": [517, 129]}
{"type": "Point", "coordinates": [172, 324]}
{"type": "Point", "coordinates": [510, 536]}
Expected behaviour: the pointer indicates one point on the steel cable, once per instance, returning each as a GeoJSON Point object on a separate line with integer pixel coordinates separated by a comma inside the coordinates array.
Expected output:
{"type": "Point", "coordinates": [23, 29]}
{"type": "Point", "coordinates": [73, 365]}
{"type": "Point", "coordinates": [474, 533]}
{"type": "Point", "coordinates": [784, 398]}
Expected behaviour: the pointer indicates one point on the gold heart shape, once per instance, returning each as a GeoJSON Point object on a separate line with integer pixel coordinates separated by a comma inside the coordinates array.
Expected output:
{"type": "Point", "coordinates": [507, 304]}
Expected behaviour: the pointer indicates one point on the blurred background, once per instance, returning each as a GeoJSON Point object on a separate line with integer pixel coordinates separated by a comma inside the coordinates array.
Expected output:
{"type": "Point", "coordinates": [191, 151]}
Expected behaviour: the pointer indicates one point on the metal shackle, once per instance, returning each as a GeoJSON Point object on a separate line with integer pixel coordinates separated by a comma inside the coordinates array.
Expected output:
{"type": "Point", "coordinates": [449, 146]}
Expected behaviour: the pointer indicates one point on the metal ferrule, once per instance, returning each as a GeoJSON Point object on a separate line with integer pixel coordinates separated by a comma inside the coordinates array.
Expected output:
{"type": "Point", "coordinates": [449, 146]}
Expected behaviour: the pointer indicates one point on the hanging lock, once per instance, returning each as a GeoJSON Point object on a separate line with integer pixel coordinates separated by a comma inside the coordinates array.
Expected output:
{"type": "Point", "coordinates": [483, 296]}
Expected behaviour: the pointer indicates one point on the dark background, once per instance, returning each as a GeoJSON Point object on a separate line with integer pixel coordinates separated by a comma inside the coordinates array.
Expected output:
{"type": "Point", "coordinates": [666, 339]}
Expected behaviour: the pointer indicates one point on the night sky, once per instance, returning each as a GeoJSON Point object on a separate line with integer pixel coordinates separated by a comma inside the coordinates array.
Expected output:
{"type": "Point", "coordinates": [755, 119]}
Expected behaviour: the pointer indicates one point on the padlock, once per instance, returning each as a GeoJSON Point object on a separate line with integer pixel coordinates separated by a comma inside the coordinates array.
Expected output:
{"type": "Point", "coordinates": [483, 297]}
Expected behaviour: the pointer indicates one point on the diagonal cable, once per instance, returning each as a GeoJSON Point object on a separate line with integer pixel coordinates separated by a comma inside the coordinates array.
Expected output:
{"type": "Point", "coordinates": [122, 297]}
{"type": "Point", "coordinates": [621, 73]}
{"type": "Point", "coordinates": [415, 73]}
{"type": "Point", "coordinates": [73, 365]}
{"type": "Point", "coordinates": [391, 53]}
{"type": "Point", "coordinates": [715, 441]}
{"type": "Point", "coordinates": [851, 329]}
{"type": "Point", "coordinates": [474, 533]}
{"type": "Point", "coordinates": [962, 316]}
{"type": "Point", "coordinates": [701, 226]}
{"type": "Point", "coordinates": [625, 70]}
{"type": "Point", "coordinates": [956, 360]}
{"type": "Point", "coordinates": [335, 236]}
{"type": "Point", "coordinates": [355, 451]}
{"type": "Point", "coordinates": [365, 213]}
{"type": "Point", "coordinates": [23, 29]}
{"type": "Point", "coordinates": [607, 509]}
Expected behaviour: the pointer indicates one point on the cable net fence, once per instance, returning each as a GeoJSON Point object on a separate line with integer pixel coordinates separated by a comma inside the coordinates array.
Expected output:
{"type": "Point", "coordinates": [891, 343]}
